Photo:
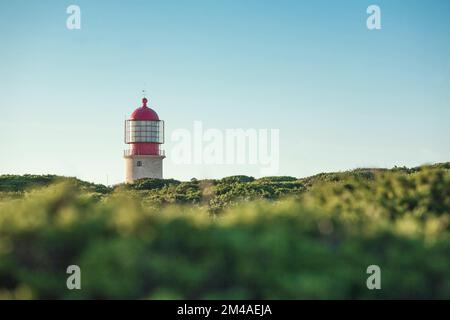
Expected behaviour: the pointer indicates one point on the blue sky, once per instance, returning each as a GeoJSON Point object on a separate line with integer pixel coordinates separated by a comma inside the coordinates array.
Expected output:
{"type": "Point", "coordinates": [342, 96]}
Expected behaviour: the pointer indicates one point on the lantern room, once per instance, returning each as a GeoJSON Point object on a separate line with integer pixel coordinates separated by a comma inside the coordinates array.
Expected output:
{"type": "Point", "coordinates": [144, 131]}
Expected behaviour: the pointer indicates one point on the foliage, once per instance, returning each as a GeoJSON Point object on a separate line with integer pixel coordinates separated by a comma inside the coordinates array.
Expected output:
{"type": "Point", "coordinates": [151, 183]}
{"type": "Point", "coordinates": [231, 192]}
{"type": "Point", "coordinates": [15, 183]}
{"type": "Point", "coordinates": [311, 238]}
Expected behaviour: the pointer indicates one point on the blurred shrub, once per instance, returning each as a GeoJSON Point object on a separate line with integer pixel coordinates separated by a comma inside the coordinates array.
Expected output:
{"type": "Point", "coordinates": [317, 243]}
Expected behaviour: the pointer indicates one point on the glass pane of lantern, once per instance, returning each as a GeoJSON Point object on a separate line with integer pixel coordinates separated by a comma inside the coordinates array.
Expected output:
{"type": "Point", "coordinates": [144, 131]}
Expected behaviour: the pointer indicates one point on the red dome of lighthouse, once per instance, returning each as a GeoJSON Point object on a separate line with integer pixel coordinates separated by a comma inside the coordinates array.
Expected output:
{"type": "Point", "coordinates": [144, 112]}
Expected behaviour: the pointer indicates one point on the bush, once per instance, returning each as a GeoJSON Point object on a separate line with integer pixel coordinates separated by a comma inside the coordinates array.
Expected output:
{"type": "Point", "coordinates": [151, 183]}
{"type": "Point", "coordinates": [314, 244]}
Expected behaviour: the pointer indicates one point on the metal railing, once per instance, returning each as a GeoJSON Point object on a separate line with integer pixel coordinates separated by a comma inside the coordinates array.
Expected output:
{"type": "Point", "coordinates": [129, 152]}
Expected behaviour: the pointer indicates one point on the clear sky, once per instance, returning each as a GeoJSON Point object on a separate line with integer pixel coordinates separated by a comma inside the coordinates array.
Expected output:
{"type": "Point", "coordinates": [342, 96]}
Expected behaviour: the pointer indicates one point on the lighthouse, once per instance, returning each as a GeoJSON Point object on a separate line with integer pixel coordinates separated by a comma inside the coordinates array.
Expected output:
{"type": "Point", "coordinates": [144, 133]}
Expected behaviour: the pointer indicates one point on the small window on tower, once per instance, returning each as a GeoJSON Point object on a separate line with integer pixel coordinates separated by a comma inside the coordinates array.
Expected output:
{"type": "Point", "coordinates": [139, 163]}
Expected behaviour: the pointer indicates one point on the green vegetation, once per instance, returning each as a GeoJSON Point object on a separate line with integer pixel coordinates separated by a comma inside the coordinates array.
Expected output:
{"type": "Point", "coordinates": [238, 237]}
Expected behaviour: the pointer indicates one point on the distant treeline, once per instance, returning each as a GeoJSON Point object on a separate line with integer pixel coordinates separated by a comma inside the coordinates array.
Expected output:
{"type": "Point", "coordinates": [214, 193]}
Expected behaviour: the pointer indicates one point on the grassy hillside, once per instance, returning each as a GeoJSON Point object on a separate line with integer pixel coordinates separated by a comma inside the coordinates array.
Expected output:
{"type": "Point", "coordinates": [238, 237]}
